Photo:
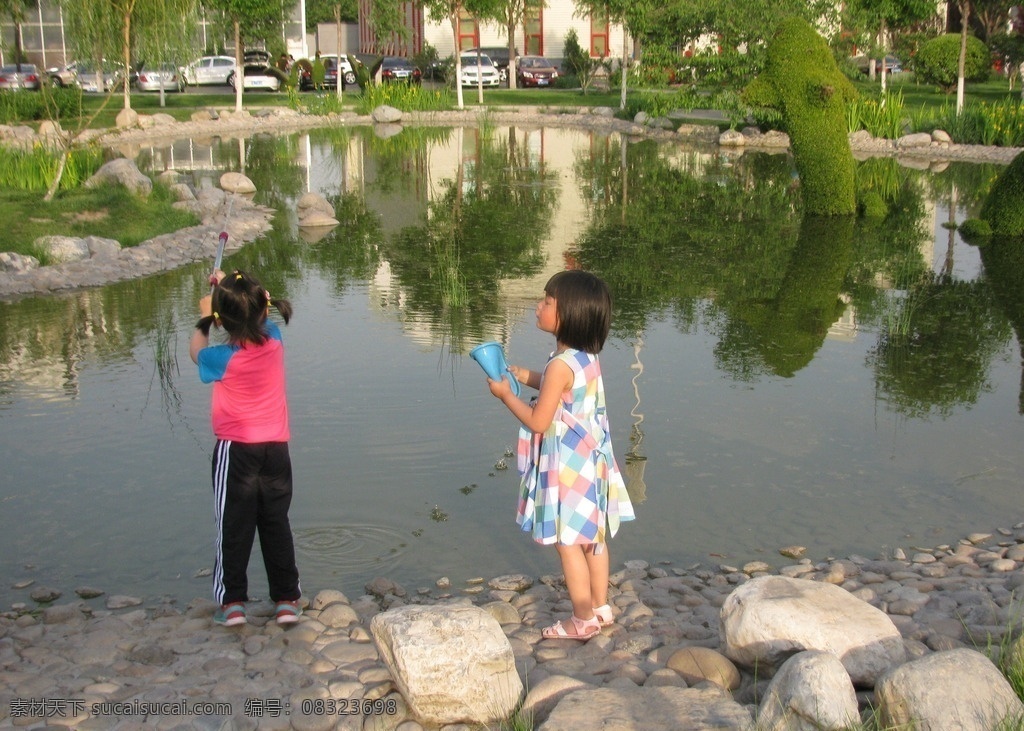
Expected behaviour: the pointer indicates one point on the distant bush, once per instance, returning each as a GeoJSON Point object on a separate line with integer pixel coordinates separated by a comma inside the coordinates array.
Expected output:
{"type": "Point", "coordinates": [937, 61]}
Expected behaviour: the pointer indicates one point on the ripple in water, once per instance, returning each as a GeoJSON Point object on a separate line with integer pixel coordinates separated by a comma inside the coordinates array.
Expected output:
{"type": "Point", "coordinates": [347, 550]}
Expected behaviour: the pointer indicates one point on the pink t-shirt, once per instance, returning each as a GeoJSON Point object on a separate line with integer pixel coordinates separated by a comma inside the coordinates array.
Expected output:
{"type": "Point", "coordinates": [249, 403]}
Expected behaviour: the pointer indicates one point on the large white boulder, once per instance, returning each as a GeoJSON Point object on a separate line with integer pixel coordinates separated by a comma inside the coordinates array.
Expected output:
{"type": "Point", "coordinates": [452, 663]}
{"type": "Point", "coordinates": [770, 618]}
{"type": "Point", "coordinates": [953, 690]}
{"type": "Point", "coordinates": [811, 692]}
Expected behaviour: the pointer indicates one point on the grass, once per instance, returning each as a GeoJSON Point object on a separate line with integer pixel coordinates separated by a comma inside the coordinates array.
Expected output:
{"type": "Point", "coordinates": [110, 212]}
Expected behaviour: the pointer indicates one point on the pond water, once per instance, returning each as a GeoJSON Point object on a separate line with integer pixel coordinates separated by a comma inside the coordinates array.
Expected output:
{"type": "Point", "coordinates": [847, 387]}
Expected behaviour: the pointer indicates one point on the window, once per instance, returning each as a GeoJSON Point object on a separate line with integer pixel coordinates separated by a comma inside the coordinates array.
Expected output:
{"type": "Point", "coordinates": [599, 34]}
{"type": "Point", "coordinates": [533, 30]}
{"type": "Point", "coordinates": [468, 32]}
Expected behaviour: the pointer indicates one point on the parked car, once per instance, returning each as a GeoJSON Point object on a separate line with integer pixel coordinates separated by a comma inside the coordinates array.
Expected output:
{"type": "Point", "coordinates": [15, 77]}
{"type": "Point", "coordinates": [209, 70]}
{"type": "Point", "coordinates": [486, 71]}
{"type": "Point", "coordinates": [164, 76]}
{"type": "Point", "coordinates": [394, 68]}
{"type": "Point", "coordinates": [100, 82]}
{"type": "Point", "coordinates": [66, 75]}
{"type": "Point", "coordinates": [258, 76]}
{"type": "Point", "coordinates": [330, 62]}
{"type": "Point", "coordinates": [535, 71]}
{"type": "Point", "coordinates": [498, 55]}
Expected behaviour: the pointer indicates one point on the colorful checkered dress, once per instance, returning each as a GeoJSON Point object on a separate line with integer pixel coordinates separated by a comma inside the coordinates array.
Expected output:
{"type": "Point", "coordinates": [572, 491]}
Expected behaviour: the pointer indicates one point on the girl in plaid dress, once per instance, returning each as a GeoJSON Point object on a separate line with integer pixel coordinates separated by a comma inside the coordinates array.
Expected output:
{"type": "Point", "coordinates": [572, 494]}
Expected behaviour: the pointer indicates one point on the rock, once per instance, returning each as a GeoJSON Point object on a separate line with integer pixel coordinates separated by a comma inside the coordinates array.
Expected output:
{"type": "Point", "coordinates": [503, 612]}
{"type": "Point", "coordinates": [811, 692]}
{"type": "Point", "coordinates": [382, 587]}
{"type": "Point", "coordinates": [121, 171]}
{"type": "Point", "coordinates": [309, 202]}
{"type": "Point", "coordinates": [317, 219]}
{"type": "Point", "coordinates": [236, 183]}
{"type": "Point", "coordinates": [697, 664]}
{"type": "Point", "coordinates": [101, 248]}
{"type": "Point", "coordinates": [385, 114]}
{"type": "Point", "coordinates": [693, 709]}
{"type": "Point", "coordinates": [732, 138]}
{"type": "Point", "coordinates": [338, 615]}
{"type": "Point", "coordinates": [120, 601]}
{"type": "Point", "coordinates": [511, 582]}
{"type": "Point", "coordinates": [126, 118]}
{"type": "Point", "coordinates": [793, 551]}
{"type": "Point", "coordinates": [767, 619]}
{"type": "Point", "coordinates": [43, 594]}
{"type": "Point", "coordinates": [952, 690]}
{"type": "Point", "coordinates": [89, 592]}
{"type": "Point", "coordinates": [942, 137]}
{"type": "Point", "coordinates": [13, 262]}
{"type": "Point", "coordinates": [543, 697]}
{"type": "Point", "coordinates": [453, 664]}
{"type": "Point", "coordinates": [916, 139]}
{"type": "Point", "coordinates": [62, 248]}
{"type": "Point", "coordinates": [641, 118]}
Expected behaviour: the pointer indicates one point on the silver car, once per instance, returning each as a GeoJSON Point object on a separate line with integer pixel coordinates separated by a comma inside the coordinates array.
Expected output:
{"type": "Point", "coordinates": [164, 76]}
{"type": "Point", "coordinates": [209, 70]}
{"type": "Point", "coordinates": [15, 77]}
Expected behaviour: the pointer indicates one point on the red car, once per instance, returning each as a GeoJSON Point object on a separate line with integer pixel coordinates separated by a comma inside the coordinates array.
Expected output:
{"type": "Point", "coordinates": [399, 69]}
{"type": "Point", "coordinates": [535, 71]}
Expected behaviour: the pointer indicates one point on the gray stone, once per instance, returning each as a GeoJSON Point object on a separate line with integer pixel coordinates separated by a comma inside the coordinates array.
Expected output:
{"type": "Point", "coordinates": [121, 171]}
{"type": "Point", "coordinates": [954, 690]}
{"type": "Point", "coordinates": [385, 114]}
{"type": "Point", "coordinates": [237, 183]}
{"type": "Point", "coordinates": [811, 692]}
{"type": "Point", "coordinates": [641, 709]}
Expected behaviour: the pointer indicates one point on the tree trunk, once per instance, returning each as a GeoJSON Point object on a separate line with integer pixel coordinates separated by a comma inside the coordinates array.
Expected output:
{"type": "Point", "coordinates": [454, 19]}
{"type": "Point", "coordinates": [52, 190]}
{"type": "Point", "coordinates": [126, 30]}
{"type": "Point", "coordinates": [625, 66]}
{"type": "Point", "coordinates": [883, 37]}
{"type": "Point", "coordinates": [341, 74]}
{"type": "Point", "coordinates": [239, 67]}
{"type": "Point", "coordinates": [965, 15]}
{"type": "Point", "coordinates": [511, 54]}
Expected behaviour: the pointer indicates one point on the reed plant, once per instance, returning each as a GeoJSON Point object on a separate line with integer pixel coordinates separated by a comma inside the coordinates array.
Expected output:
{"type": "Point", "coordinates": [882, 117]}
{"type": "Point", "coordinates": [407, 97]}
{"type": "Point", "coordinates": [34, 170]}
{"type": "Point", "coordinates": [999, 123]}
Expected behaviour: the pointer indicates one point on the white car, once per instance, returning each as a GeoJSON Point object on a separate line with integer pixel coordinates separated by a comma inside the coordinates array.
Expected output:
{"type": "Point", "coordinates": [486, 71]}
{"type": "Point", "coordinates": [209, 70]}
{"type": "Point", "coordinates": [257, 76]}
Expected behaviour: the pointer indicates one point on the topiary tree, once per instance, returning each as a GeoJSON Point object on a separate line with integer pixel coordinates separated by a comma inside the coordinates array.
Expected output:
{"type": "Point", "coordinates": [1003, 209]}
{"type": "Point", "coordinates": [801, 81]}
{"type": "Point", "coordinates": [937, 60]}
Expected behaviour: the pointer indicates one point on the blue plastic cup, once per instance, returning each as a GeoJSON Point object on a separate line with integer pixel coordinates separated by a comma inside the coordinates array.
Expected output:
{"type": "Point", "coordinates": [491, 358]}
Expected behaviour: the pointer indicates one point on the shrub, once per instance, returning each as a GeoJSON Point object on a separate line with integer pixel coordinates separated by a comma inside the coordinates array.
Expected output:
{"type": "Point", "coordinates": [937, 61]}
{"type": "Point", "coordinates": [975, 231]}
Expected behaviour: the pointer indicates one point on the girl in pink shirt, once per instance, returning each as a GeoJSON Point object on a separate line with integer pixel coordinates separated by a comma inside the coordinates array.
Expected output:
{"type": "Point", "coordinates": [252, 472]}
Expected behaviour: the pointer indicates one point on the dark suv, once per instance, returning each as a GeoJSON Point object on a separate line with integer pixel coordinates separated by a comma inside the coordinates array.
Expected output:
{"type": "Point", "coordinates": [498, 55]}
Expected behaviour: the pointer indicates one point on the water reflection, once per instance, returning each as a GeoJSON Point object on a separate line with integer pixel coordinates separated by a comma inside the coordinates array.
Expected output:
{"type": "Point", "coordinates": [773, 378]}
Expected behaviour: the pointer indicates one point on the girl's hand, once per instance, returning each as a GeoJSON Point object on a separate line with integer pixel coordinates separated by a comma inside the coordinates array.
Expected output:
{"type": "Point", "coordinates": [500, 388]}
{"type": "Point", "coordinates": [216, 277]}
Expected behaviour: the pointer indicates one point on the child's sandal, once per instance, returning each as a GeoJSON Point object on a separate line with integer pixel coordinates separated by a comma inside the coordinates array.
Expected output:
{"type": "Point", "coordinates": [585, 629]}
{"type": "Point", "coordinates": [604, 615]}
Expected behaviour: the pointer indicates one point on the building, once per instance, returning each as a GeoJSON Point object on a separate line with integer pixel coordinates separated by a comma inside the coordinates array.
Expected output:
{"type": "Point", "coordinates": [542, 33]}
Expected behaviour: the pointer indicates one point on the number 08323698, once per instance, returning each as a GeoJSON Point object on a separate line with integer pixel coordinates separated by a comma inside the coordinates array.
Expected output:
{"type": "Point", "coordinates": [349, 707]}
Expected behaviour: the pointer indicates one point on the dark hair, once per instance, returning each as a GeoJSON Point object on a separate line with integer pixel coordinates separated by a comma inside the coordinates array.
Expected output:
{"type": "Point", "coordinates": [584, 308]}
{"type": "Point", "coordinates": [240, 303]}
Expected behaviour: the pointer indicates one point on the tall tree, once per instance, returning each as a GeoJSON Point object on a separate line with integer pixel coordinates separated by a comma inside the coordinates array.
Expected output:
{"type": "Point", "coordinates": [159, 36]}
{"type": "Point", "coordinates": [98, 30]}
{"type": "Point", "coordinates": [16, 9]}
{"type": "Point", "coordinates": [632, 15]}
{"type": "Point", "coordinates": [452, 11]}
{"type": "Point", "coordinates": [249, 20]}
{"type": "Point", "coordinates": [965, 22]}
{"type": "Point", "coordinates": [875, 20]}
{"type": "Point", "coordinates": [512, 14]}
